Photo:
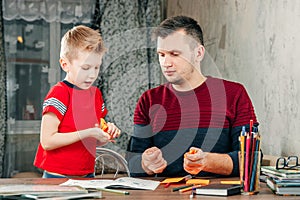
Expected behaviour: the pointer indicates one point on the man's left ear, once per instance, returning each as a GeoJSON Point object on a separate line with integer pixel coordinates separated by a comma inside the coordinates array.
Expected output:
{"type": "Point", "coordinates": [200, 51]}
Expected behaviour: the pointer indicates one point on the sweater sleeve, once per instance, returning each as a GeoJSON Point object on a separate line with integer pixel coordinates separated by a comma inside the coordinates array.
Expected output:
{"type": "Point", "coordinates": [235, 132]}
{"type": "Point", "coordinates": [138, 143]}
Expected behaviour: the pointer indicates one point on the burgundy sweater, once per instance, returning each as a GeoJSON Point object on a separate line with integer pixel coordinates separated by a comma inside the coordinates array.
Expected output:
{"type": "Point", "coordinates": [209, 117]}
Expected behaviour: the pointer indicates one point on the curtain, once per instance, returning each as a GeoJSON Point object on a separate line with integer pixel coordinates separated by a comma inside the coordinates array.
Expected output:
{"type": "Point", "coordinates": [64, 11]}
{"type": "Point", "coordinates": [2, 93]}
{"type": "Point", "coordinates": [130, 65]}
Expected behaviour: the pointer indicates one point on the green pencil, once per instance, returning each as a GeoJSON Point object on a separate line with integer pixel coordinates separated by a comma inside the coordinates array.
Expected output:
{"type": "Point", "coordinates": [181, 187]}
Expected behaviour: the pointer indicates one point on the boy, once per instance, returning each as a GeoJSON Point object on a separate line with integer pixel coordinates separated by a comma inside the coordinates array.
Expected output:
{"type": "Point", "coordinates": [72, 110]}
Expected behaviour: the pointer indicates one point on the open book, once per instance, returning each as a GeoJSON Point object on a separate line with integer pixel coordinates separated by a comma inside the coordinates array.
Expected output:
{"type": "Point", "coordinates": [123, 182]}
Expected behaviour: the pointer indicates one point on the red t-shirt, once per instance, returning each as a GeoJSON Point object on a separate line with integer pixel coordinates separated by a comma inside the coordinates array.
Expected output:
{"type": "Point", "coordinates": [76, 109]}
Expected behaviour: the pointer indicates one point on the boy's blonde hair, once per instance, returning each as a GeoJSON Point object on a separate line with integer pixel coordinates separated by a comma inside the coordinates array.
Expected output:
{"type": "Point", "coordinates": [81, 38]}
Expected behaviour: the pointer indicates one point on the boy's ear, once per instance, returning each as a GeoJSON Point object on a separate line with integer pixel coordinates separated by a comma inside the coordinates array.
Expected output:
{"type": "Point", "coordinates": [64, 64]}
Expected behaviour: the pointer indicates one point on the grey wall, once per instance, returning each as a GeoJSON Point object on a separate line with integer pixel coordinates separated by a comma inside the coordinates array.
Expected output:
{"type": "Point", "coordinates": [256, 43]}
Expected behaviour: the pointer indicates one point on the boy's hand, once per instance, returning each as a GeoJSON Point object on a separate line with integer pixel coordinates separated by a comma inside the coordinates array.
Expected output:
{"type": "Point", "coordinates": [113, 130]}
{"type": "Point", "coordinates": [110, 128]}
{"type": "Point", "coordinates": [102, 136]}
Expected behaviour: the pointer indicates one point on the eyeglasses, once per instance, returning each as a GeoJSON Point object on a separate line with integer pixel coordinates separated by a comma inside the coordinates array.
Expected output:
{"type": "Point", "coordinates": [290, 163]}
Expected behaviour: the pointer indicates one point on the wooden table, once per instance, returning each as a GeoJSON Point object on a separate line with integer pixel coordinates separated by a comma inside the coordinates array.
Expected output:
{"type": "Point", "coordinates": [159, 194]}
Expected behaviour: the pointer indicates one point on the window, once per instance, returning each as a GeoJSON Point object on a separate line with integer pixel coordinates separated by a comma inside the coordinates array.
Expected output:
{"type": "Point", "coordinates": [32, 34]}
{"type": "Point", "coordinates": [28, 66]}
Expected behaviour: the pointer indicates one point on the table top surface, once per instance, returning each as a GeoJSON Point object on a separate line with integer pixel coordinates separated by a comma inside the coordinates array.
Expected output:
{"type": "Point", "coordinates": [160, 193]}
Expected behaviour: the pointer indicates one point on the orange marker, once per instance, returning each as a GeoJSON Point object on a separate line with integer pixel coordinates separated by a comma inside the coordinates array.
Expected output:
{"type": "Point", "coordinates": [192, 151]}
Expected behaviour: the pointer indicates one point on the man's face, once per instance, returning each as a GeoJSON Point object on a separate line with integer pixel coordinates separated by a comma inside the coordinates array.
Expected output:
{"type": "Point", "coordinates": [176, 58]}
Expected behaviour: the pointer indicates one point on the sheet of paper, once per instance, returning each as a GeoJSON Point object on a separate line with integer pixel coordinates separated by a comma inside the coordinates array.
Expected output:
{"type": "Point", "coordinates": [198, 181]}
{"type": "Point", "coordinates": [172, 180]}
{"type": "Point", "coordinates": [88, 183]}
{"type": "Point", "coordinates": [123, 182]}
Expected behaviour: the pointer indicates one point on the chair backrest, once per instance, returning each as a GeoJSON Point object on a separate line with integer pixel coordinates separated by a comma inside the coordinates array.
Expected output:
{"type": "Point", "coordinates": [109, 161]}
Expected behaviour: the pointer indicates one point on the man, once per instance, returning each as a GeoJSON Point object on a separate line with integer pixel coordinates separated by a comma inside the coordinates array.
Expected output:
{"type": "Point", "coordinates": [190, 113]}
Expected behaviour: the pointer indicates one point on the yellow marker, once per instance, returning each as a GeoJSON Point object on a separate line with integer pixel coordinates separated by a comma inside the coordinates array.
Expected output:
{"type": "Point", "coordinates": [242, 156]}
{"type": "Point", "coordinates": [231, 182]}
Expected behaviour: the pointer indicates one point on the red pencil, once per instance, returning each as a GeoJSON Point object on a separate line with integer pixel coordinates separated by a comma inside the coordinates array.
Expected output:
{"type": "Point", "coordinates": [251, 125]}
{"type": "Point", "coordinates": [247, 163]}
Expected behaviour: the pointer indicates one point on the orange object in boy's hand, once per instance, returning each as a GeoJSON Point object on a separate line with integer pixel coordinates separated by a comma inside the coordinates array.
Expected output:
{"type": "Point", "coordinates": [103, 125]}
{"type": "Point", "coordinates": [104, 128]}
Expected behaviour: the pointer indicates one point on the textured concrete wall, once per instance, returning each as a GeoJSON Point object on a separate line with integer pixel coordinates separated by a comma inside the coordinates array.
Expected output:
{"type": "Point", "coordinates": [256, 43]}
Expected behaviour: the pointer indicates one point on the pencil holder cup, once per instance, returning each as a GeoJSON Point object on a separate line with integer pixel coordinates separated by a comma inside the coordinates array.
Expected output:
{"type": "Point", "coordinates": [249, 166]}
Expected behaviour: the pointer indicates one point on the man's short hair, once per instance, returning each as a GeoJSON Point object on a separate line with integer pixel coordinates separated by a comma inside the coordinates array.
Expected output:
{"type": "Point", "coordinates": [172, 24]}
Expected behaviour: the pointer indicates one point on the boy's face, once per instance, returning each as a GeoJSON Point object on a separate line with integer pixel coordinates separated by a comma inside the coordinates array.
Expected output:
{"type": "Point", "coordinates": [83, 70]}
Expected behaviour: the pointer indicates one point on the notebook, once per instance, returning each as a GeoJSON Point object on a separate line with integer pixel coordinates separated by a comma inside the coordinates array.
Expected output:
{"type": "Point", "coordinates": [284, 186]}
{"type": "Point", "coordinates": [286, 173]}
{"type": "Point", "coordinates": [219, 189]}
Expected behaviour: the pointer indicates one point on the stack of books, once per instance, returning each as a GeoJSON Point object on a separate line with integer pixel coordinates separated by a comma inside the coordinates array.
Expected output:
{"type": "Point", "coordinates": [282, 181]}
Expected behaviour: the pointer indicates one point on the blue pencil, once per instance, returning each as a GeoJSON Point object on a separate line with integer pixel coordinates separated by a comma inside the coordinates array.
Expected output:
{"type": "Point", "coordinates": [254, 167]}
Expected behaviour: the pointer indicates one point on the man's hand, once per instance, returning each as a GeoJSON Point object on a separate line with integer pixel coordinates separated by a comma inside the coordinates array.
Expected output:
{"type": "Point", "coordinates": [194, 160]}
{"type": "Point", "coordinates": [152, 161]}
